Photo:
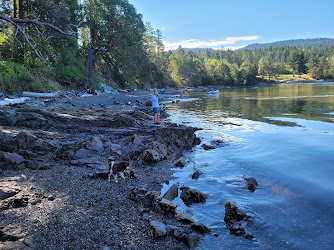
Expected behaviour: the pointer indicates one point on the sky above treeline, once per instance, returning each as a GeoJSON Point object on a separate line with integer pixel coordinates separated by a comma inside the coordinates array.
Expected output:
{"type": "Point", "coordinates": [236, 23]}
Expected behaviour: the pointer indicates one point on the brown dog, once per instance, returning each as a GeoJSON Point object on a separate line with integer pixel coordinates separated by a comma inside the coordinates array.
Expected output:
{"type": "Point", "coordinates": [117, 167]}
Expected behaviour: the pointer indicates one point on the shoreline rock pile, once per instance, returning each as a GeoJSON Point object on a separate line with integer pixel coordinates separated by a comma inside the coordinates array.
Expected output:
{"type": "Point", "coordinates": [48, 152]}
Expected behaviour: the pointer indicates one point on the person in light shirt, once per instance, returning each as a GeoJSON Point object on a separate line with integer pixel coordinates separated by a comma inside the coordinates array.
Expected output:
{"type": "Point", "coordinates": [155, 106]}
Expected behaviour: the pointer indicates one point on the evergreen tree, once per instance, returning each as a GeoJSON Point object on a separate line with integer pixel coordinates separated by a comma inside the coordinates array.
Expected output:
{"type": "Point", "coordinates": [293, 60]}
{"type": "Point", "coordinates": [301, 63]}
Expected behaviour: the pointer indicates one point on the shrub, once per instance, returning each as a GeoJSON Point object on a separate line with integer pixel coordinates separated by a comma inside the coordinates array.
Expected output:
{"type": "Point", "coordinates": [71, 70]}
{"type": "Point", "coordinates": [14, 77]}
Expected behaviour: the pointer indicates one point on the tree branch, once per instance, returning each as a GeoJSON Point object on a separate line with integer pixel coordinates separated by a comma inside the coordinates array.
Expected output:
{"type": "Point", "coordinates": [16, 23]}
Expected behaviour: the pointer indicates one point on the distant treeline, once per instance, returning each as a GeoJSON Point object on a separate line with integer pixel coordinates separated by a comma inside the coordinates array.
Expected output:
{"type": "Point", "coordinates": [113, 45]}
{"type": "Point", "coordinates": [301, 43]}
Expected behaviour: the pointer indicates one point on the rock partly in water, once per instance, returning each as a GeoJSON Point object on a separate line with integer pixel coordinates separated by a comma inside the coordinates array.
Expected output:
{"type": "Point", "coordinates": [190, 196]}
{"type": "Point", "coordinates": [196, 175]}
{"type": "Point", "coordinates": [207, 147]}
{"type": "Point", "coordinates": [236, 220]}
{"type": "Point", "coordinates": [172, 192]}
{"type": "Point", "coordinates": [213, 145]}
{"type": "Point", "coordinates": [178, 137]}
{"type": "Point", "coordinates": [187, 218]}
{"type": "Point", "coordinates": [180, 162]}
{"type": "Point", "coordinates": [192, 240]}
{"type": "Point", "coordinates": [251, 183]}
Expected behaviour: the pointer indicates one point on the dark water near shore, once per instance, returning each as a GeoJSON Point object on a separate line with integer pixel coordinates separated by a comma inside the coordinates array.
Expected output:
{"type": "Point", "coordinates": [284, 137]}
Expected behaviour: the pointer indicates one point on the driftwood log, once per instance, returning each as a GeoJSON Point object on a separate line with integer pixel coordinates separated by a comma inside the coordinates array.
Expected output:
{"type": "Point", "coordinates": [41, 95]}
{"type": "Point", "coordinates": [13, 101]}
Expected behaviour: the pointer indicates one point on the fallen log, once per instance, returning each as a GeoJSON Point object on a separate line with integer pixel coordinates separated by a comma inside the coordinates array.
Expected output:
{"type": "Point", "coordinates": [41, 95]}
{"type": "Point", "coordinates": [13, 101]}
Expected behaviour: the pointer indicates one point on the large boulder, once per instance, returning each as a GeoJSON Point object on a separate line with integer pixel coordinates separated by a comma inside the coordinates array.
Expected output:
{"type": "Point", "coordinates": [178, 136]}
{"type": "Point", "coordinates": [190, 196]}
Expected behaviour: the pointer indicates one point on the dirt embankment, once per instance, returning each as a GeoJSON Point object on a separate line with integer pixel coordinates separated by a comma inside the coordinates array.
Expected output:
{"type": "Point", "coordinates": [53, 188]}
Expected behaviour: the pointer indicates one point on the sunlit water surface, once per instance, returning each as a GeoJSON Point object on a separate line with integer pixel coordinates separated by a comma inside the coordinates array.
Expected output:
{"type": "Point", "coordinates": [281, 135]}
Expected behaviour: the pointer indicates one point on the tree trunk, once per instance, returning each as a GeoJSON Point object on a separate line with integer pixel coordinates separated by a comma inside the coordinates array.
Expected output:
{"type": "Point", "coordinates": [21, 37]}
{"type": "Point", "coordinates": [15, 9]}
{"type": "Point", "coordinates": [89, 67]}
{"type": "Point", "coordinates": [90, 59]}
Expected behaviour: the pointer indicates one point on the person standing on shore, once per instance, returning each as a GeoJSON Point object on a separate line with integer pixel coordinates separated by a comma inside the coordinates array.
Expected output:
{"type": "Point", "coordinates": [155, 106]}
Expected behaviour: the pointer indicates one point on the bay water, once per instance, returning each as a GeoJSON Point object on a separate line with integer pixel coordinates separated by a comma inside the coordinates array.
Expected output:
{"type": "Point", "coordinates": [283, 136]}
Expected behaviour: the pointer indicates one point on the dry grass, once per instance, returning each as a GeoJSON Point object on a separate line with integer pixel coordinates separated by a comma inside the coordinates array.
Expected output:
{"type": "Point", "coordinates": [290, 77]}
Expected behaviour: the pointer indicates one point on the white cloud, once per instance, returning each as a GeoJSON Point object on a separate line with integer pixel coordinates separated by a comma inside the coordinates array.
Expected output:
{"type": "Point", "coordinates": [194, 43]}
{"type": "Point", "coordinates": [230, 48]}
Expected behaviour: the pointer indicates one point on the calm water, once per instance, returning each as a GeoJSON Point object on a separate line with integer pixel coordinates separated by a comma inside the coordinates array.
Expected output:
{"type": "Point", "coordinates": [281, 135]}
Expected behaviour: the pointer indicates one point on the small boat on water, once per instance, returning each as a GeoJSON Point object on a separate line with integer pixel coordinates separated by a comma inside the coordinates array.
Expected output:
{"type": "Point", "coordinates": [161, 92]}
{"type": "Point", "coordinates": [212, 92]}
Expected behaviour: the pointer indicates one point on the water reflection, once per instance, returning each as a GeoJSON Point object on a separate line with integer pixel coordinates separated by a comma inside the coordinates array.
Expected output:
{"type": "Point", "coordinates": [292, 162]}
{"type": "Point", "coordinates": [304, 101]}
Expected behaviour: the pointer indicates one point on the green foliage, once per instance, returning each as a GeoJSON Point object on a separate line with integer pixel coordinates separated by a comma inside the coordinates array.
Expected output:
{"type": "Point", "coordinates": [37, 87]}
{"type": "Point", "coordinates": [127, 53]}
{"type": "Point", "coordinates": [70, 70]}
{"type": "Point", "coordinates": [14, 77]}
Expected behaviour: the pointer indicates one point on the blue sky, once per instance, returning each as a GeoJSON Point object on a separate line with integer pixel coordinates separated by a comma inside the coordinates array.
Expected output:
{"type": "Point", "coordinates": [236, 23]}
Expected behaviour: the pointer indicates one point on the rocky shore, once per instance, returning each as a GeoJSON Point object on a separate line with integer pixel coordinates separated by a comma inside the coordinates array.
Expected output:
{"type": "Point", "coordinates": [54, 192]}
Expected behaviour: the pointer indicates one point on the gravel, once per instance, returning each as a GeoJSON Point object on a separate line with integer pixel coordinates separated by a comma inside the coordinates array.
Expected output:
{"type": "Point", "coordinates": [66, 209]}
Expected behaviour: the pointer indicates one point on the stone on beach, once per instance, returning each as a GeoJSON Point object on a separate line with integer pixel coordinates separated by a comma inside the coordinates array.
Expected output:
{"type": "Point", "coordinates": [159, 229]}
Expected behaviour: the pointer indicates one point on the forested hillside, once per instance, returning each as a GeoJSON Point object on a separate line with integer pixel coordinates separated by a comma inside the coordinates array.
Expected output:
{"type": "Point", "coordinates": [301, 43]}
{"type": "Point", "coordinates": [79, 45]}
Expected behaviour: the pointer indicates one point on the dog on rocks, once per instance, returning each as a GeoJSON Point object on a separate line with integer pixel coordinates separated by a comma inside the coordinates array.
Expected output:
{"type": "Point", "coordinates": [117, 167]}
